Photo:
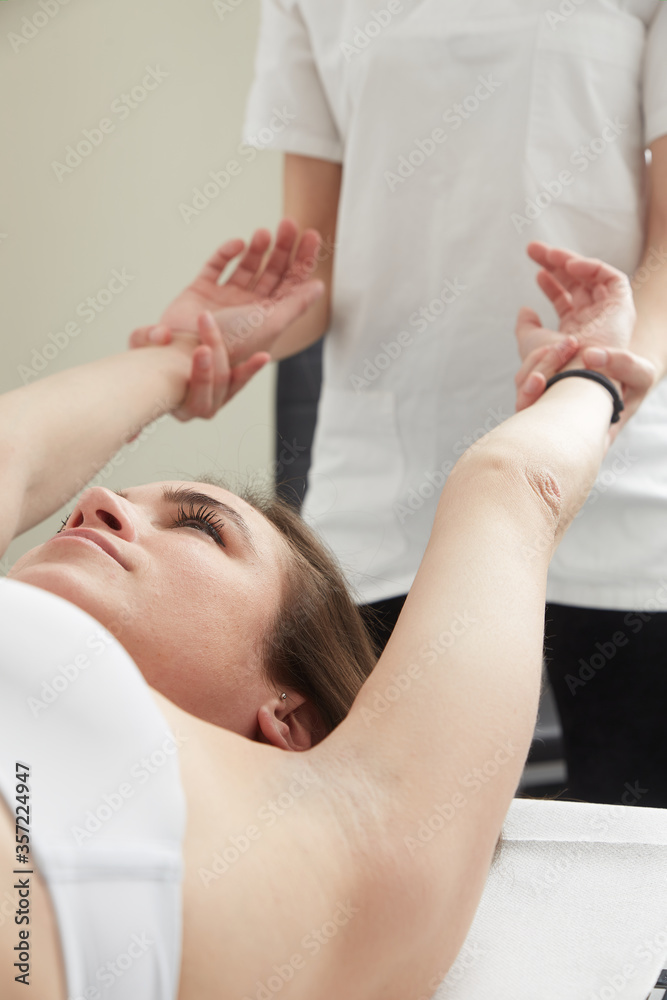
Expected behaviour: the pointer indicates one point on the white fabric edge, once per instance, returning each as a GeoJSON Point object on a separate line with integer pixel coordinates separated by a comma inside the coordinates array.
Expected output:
{"type": "Point", "coordinates": [299, 143]}
{"type": "Point", "coordinates": [574, 822]}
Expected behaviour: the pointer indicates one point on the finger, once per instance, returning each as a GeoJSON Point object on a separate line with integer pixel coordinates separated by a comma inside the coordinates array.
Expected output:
{"type": "Point", "coordinates": [242, 373]}
{"type": "Point", "coordinates": [293, 302]}
{"type": "Point", "coordinates": [210, 335]}
{"type": "Point", "coordinates": [553, 260]}
{"type": "Point", "coordinates": [530, 391]}
{"type": "Point", "coordinates": [554, 291]}
{"type": "Point", "coordinates": [146, 336]}
{"type": "Point", "coordinates": [199, 397]}
{"type": "Point", "coordinates": [636, 374]}
{"type": "Point", "coordinates": [216, 264]}
{"type": "Point", "coordinates": [529, 363]}
{"type": "Point", "coordinates": [278, 263]}
{"type": "Point", "coordinates": [306, 257]}
{"type": "Point", "coordinates": [250, 264]}
{"type": "Point", "coordinates": [594, 271]}
{"type": "Point", "coordinates": [567, 265]}
{"type": "Point", "coordinates": [527, 322]}
{"type": "Point", "coordinates": [550, 363]}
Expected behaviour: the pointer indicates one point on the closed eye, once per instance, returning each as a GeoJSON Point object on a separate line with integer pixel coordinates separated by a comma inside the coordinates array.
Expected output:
{"type": "Point", "coordinates": [202, 519]}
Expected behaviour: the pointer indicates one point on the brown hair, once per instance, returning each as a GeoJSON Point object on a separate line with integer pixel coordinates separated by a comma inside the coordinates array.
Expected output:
{"type": "Point", "coordinates": [318, 644]}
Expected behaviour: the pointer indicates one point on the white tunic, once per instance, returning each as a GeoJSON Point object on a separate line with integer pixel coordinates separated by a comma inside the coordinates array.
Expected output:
{"type": "Point", "coordinates": [466, 130]}
{"type": "Point", "coordinates": [107, 809]}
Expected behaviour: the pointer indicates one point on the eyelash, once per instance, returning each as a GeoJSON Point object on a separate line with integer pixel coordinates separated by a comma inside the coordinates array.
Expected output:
{"type": "Point", "coordinates": [204, 516]}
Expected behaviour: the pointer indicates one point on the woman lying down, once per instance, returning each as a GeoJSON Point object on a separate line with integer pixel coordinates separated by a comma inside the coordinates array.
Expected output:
{"type": "Point", "coordinates": [223, 800]}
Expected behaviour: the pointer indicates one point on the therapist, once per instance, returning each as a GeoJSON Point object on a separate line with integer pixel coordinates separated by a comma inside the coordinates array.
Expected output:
{"type": "Point", "coordinates": [436, 140]}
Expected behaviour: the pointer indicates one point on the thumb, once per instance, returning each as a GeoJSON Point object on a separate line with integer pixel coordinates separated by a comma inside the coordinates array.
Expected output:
{"type": "Point", "coordinates": [631, 370]}
{"type": "Point", "coordinates": [527, 321]}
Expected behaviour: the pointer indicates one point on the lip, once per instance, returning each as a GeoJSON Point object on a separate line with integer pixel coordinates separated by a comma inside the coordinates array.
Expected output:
{"type": "Point", "coordinates": [96, 537]}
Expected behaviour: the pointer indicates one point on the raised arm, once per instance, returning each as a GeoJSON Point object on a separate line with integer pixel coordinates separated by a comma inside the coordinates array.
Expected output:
{"type": "Point", "coordinates": [406, 798]}
{"type": "Point", "coordinates": [55, 434]}
{"type": "Point", "coordinates": [436, 741]}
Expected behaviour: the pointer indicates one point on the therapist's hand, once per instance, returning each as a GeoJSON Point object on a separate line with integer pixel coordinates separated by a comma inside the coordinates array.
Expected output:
{"type": "Point", "coordinates": [597, 317]}
{"type": "Point", "coordinates": [267, 291]}
{"type": "Point", "coordinates": [593, 300]}
{"type": "Point", "coordinates": [212, 381]}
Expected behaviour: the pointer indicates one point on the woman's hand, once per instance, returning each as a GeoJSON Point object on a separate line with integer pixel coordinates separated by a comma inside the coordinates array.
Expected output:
{"type": "Point", "coordinates": [597, 317]}
{"type": "Point", "coordinates": [260, 299]}
{"type": "Point", "coordinates": [212, 381]}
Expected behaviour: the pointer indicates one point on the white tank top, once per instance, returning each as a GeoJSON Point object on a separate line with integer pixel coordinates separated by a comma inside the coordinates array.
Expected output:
{"type": "Point", "coordinates": [107, 810]}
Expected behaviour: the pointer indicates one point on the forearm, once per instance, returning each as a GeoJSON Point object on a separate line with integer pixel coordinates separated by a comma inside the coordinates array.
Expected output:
{"type": "Point", "coordinates": [650, 290]}
{"type": "Point", "coordinates": [56, 433]}
{"type": "Point", "coordinates": [311, 326]}
{"type": "Point", "coordinates": [311, 196]}
{"type": "Point", "coordinates": [650, 280]}
{"type": "Point", "coordinates": [458, 682]}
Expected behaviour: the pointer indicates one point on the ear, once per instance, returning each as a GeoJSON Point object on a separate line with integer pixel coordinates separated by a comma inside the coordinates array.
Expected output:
{"type": "Point", "coordinates": [293, 724]}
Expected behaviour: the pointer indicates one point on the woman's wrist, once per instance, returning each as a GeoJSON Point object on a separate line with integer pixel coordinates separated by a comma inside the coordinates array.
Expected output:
{"type": "Point", "coordinates": [171, 365]}
{"type": "Point", "coordinates": [577, 363]}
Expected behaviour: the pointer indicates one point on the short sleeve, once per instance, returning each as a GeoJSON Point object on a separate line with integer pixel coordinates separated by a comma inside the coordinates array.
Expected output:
{"type": "Point", "coordinates": [655, 77]}
{"type": "Point", "coordinates": [288, 108]}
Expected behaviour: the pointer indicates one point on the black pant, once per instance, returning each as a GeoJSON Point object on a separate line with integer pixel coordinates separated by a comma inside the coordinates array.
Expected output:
{"type": "Point", "coordinates": [608, 671]}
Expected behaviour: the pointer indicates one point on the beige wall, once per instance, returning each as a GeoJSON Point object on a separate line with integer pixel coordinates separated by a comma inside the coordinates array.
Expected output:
{"type": "Point", "coordinates": [61, 239]}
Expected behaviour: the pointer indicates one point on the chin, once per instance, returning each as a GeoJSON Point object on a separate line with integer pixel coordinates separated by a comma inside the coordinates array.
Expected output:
{"type": "Point", "coordinates": [66, 581]}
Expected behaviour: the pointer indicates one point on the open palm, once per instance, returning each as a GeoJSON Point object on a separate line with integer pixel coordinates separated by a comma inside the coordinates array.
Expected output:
{"type": "Point", "coordinates": [593, 300]}
{"type": "Point", "coordinates": [597, 317]}
{"type": "Point", "coordinates": [261, 297]}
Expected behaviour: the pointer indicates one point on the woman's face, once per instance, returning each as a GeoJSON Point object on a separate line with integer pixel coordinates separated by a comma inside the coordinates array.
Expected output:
{"type": "Point", "coordinates": [187, 576]}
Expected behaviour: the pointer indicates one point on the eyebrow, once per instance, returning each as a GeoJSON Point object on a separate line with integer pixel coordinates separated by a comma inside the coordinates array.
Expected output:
{"type": "Point", "coordinates": [183, 495]}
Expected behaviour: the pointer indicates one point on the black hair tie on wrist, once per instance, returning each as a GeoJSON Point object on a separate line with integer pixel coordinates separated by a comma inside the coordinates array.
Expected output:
{"type": "Point", "coordinates": [619, 406]}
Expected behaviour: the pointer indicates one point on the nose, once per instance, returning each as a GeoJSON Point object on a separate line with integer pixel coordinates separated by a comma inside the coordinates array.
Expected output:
{"type": "Point", "coordinates": [99, 507]}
